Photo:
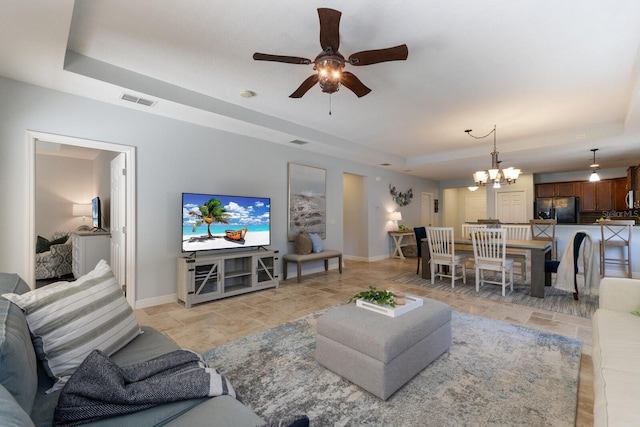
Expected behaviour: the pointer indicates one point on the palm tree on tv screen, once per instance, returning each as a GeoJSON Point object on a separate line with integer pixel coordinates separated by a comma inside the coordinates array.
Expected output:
{"type": "Point", "coordinates": [210, 212]}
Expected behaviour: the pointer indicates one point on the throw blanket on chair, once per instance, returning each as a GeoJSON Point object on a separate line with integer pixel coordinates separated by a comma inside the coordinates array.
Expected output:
{"type": "Point", "coordinates": [99, 388]}
{"type": "Point", "coordinates": [566, 276]}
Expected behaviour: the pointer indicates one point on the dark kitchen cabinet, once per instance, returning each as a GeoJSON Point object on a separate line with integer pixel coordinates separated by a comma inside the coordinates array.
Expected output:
{"type": "Point", "coordinates": [596, 196]}
{"type": "Point", "coordinates": [567, 189]}
{"type": "Point", "coordinates": [558, 189]}
{"type": "Point", "coordinates": [620, 194]}
{"type": "Point", "coordinates": [588, 196]}
{"type": "Point", "coordinates": [546, 190]}
{"type": "Point", "coordinates": [604, 195]}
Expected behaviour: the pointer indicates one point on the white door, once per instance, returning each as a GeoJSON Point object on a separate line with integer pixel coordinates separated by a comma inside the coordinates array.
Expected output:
{"type": "Point", "coordinates": [118, 218]}
{"type": "Point", "coordinates": [475, 208]}
{"type": "Point", "coordinates": [511, 206]}
{"type": "Point", "coordinates": [427, 209]}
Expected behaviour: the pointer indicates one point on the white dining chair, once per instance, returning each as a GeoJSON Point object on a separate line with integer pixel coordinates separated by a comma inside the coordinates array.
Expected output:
{"type": "Point", "coordinates": [466, 229]}
{"type": "Point", "coordinates": [519, 232]}
{"type": "Point", "coordinates": [490, 253]}
{"type": "Point", "coordinates": [468, 249]}
{"type": "Point", "coordinates": [443, 253]}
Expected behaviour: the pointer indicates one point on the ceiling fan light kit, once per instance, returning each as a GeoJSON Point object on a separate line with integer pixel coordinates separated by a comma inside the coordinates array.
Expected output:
{"type": "Point", "coordinates": [495, 175]}
{"type": "Point", "coordinates": [329, 64]}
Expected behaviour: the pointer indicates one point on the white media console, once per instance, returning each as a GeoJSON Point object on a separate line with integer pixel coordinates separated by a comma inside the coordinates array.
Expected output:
{"type": "Point", "coordinates": [210, 277]}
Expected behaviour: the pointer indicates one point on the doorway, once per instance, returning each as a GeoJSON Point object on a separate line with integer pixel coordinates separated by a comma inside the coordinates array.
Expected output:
{"type": "Point", "coordinates": [129, 199]}
{"type": "Point", "coordinates": [427, 209]}
{"type": "Point", "coordinates": [355, 242]}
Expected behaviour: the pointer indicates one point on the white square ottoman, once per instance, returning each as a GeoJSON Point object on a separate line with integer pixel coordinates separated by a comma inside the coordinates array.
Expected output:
{"type": "Point", "coordinates": [381, 353]}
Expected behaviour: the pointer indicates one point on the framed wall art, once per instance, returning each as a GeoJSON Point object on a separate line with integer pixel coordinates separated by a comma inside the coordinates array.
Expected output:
{"type": "Point", "coordinates": [307, 200]}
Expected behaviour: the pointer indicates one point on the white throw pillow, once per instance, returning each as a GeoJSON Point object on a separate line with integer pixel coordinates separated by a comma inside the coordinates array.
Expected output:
{"type": "Point", "coordinates": [68, 320]}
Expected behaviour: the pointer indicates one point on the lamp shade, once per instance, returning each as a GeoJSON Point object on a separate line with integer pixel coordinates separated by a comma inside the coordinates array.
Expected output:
{"type": "Point", "coordinates": [81, 209]}
{"type": "Point", "coordinates": [395, 216]}
{"type": "Point", "coordinates": [594, 176]}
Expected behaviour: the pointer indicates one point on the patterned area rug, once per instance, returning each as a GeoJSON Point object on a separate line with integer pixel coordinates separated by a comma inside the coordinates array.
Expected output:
{"type": "Point", "coordinates": [495, 374]}
{"type": "Point", "coordinates": [554, 299]}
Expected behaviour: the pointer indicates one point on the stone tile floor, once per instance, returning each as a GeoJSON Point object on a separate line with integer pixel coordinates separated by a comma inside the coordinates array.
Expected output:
{"type": "Point", "coordinates": [208, 325]}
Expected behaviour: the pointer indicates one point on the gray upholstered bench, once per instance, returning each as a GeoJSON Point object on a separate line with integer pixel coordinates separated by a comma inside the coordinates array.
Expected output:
{"type": "Point", "coordinates": [381, 353]}
{"type": "Point", "coordinates": [313, 256]}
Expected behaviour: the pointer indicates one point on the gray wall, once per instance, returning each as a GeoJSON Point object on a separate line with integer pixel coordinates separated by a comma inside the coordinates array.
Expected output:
{"type": "Point", "coordinates": [175, 157]}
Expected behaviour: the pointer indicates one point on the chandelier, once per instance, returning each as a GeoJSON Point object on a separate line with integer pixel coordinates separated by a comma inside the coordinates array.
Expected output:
{"type": "Point", "coordinates": [495, 175]}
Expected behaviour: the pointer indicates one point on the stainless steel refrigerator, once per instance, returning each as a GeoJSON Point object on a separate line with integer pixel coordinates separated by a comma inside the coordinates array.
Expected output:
{"type": "Point", "coordinates": [566, 210]}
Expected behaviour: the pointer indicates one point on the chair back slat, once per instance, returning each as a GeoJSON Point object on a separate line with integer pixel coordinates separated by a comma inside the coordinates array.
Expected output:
{"type": "Point", "coordinates": [441, 242]}
{"type": "Point", "coordinates": [489, 244]}
{"type": "Point", "coordinates": [517, 232]}
{"type": "Point", "coordinates": [466, 229]}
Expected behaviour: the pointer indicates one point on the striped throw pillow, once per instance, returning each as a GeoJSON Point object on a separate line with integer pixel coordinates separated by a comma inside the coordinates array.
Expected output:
{"type": "Point", "coordinates": [68, 320]}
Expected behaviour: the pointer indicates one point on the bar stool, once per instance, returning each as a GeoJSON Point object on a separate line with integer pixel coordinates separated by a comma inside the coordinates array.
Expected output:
{"type": "Point", "coordinates": [545, 229]}
{"type": "Point", "coordinates": [616, 234]}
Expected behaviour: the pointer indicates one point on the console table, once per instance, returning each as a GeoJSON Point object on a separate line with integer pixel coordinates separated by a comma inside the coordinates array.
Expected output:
{"type": "Point", "coordinates": [398, 237]}
{"type": "Point", "coordinates": [209, 277]}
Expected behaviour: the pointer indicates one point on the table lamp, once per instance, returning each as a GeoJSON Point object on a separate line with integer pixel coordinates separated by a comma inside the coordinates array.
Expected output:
{"type": "Point", "coordinates": [395, 217]}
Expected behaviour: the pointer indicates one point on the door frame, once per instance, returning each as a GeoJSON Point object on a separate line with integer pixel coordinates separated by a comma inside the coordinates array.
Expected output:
{"type": "Point", "coordinates": [130, 158]}
{"type": "Point", "coordinates": [429, 208]}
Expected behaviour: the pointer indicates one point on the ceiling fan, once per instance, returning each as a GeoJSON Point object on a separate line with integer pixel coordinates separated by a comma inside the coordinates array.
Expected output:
{"type": "Point", "coordinates": [329, 63]}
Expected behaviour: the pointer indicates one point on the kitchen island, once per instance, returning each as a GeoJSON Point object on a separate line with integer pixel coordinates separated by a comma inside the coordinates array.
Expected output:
{"type": "Point", "coordinates": [565, 231]}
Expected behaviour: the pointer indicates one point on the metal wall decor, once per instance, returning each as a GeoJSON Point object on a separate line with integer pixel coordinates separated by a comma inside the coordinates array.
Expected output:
{"type": "Point", "coordinates": [402, 199]}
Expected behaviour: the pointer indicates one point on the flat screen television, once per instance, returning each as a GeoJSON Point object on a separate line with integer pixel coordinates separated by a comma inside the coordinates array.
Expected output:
{"type": "Point", "coordinates": [214, 221]}
{"type": "Point", "coordinates": [96, 218]}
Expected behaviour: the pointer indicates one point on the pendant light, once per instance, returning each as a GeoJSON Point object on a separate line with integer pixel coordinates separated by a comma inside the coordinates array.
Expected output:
{"type": "Point", "coordinates": [594, 175]}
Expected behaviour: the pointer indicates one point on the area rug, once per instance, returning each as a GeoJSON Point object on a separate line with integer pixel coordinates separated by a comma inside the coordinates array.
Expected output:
{"type": "Point", "coordinates": [554, 299]}
{"type": "Point", "coordinates": [495, 374]}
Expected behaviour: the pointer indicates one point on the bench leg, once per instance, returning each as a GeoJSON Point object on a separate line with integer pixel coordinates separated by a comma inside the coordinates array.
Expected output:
{"type": "Point", "coordinates": [340, 263]}
{"type": "Point", "coordinates": [326, 264]}
{"type": "Point", "coordinates": [299, 271]}
{"type": "Point", "coordinates": [284, 267]}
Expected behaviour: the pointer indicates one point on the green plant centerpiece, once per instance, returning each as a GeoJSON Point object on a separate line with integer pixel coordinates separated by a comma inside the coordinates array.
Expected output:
{"type": "Point", "coordinates": [376, 297]}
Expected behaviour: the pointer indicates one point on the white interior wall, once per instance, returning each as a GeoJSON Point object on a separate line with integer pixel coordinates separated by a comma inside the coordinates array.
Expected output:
{"type": "Point", "coordinates": [175, 157]}
{"type": "Point", "coordinates": [60, 183]}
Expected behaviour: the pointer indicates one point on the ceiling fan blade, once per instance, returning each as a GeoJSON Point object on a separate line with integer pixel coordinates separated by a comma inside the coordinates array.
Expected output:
{"type": "Point", "coordinates": [368, 57]}
{"type": "Point", "coordinates": [305, 86]}
{"type": "Point", "coordinates": [329, 29]}
{"type": "Point", "coordinates": [279, 58]}
{"type": "Point", "coordinates": [351, 82]}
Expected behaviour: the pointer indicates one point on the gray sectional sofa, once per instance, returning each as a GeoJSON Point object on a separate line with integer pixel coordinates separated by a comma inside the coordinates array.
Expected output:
{"type": "Point", "coordinates": [23, 381]}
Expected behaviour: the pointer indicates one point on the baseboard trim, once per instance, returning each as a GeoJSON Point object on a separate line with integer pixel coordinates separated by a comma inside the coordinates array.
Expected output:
{"type": "Point", "coordinates": [151, 302]}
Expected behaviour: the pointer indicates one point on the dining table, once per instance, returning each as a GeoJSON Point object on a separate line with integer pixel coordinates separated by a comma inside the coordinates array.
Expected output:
{"type": "Point", "coordinates": [540, 252]}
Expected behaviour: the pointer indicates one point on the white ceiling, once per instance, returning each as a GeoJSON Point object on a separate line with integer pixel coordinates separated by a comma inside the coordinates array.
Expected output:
{"type": "Point", "coordinates": [557, 77]}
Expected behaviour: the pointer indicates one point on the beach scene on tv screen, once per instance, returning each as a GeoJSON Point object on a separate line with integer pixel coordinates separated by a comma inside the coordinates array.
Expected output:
{"type": "Point", "coordinates": [212, 222]}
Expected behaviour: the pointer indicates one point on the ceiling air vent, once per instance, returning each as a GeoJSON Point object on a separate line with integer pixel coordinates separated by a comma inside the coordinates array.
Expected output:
{"type": "Point", "coordinates": [137, 100]}
{"type": "Point", "coordinates": [298, 142]}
